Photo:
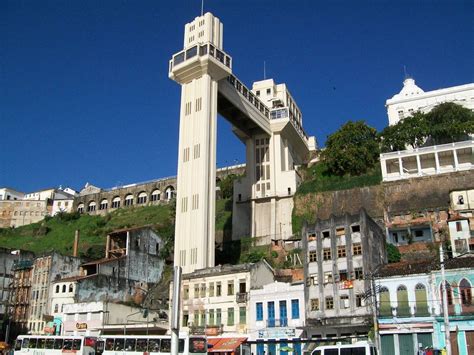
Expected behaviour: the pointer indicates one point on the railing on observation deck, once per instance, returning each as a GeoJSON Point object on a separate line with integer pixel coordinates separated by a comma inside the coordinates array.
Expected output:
{"type": "Point", "coordinates": [201, 50]}
{"type": "Point", "coordinates": [246, 93]}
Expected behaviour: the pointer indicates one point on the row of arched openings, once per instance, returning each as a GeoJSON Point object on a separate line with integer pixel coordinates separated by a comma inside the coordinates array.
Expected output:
{"type": "Point", "coordinates": [129, 200]}
{"type": "Point", "coordinates": [405, 308]}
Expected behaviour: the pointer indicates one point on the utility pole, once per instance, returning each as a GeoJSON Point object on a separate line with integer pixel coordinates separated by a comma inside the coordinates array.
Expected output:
{"type": "Point", "coordinates": [175, 311]}
{"type": "Point", "coordinates": [445, 302]}
{"type": "Point", "coordinates": [374, 312]}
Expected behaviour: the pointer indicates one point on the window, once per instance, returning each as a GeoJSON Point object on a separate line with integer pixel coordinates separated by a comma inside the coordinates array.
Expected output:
{"type": "Point", "coordinates": [103, 205]}
{"type": "Point", "coordinates": [340, 231]}
{"type": "Point", "coordinates": [400, 114]}
{"type": "Point", "coordinates": [80, 208]}
{"type": "Point", "coordinates": [458, 227]}
{"type": "Point", "coordinates": [313, 256]}
{"type": "Point", "coordinates": [218, 316]}
{"type": "Point", "coordinates": [129, 200]}
{"type": "Point", "coordinates": [344, 301]}
{"type": "Point", "coordinates": [295, 309]}
{"type": "Point", "coordinates": [341, 251]}
{"type": "Point", "coordinates": [358, 273]}
{"type": "Point", "coordinates": [218, 289]}
{"type": "Point", "coordinates": [211, 289]}
{"type": "Point", "coordinates": [116, 202]}
{"type": "Point", "coordinates": [327, 277]}
{"type": "Point", "coordinates": [259, 311]}
{"type": "Point", "coordinates": [257, 93]}
{"type": "Point", "coordinates": [71, 287]}
{"type": "Point", "coordinates": [56, 308]}
{"type": "Point", "coordinates": [203, 290]}
{"type": "Point", "coordinates": [242, 315]}
{"type": "Point", "coordinates": [142, 198]}
{"type": "Point", "coordinates": [329, 303]}
{"type": "Point", "coordinates": [359, 300]}
{"type": "Point", "coordinates": [211, 317]}
{"type": "Point", "coordinates": [155, 195]}
{"type": "Point", "coordinates": [343, 275]}
{"type": "Point", "coordinates": [356, 249]}
{"type": "Point", "coordinates": [466, 292]}
{"type": "Point", "coordinates": [64, 288]}
{"type": "Point", "coordinates": [186, 293]}
{"type": "Point", "coordinates": [269, 91]}
{"type": "Point", "coordinates": [196, 291]}
{"type": "Point", "coordinates": [230, 288]}
{"type": "Point", "coordinates": [355, 228]}
{"type": "Point", "coordinates": [230, 316]}
{"type": "Point", "coordinates": [327, 254]}
{"type": "Point", "coordinates": [57, 288]}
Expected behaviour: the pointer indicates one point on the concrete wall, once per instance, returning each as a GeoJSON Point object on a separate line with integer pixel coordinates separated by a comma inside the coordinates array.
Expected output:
{"type": "Point", "coordinates": [387, 199]}
{"type": "Point", "coordinates": [20, 213]}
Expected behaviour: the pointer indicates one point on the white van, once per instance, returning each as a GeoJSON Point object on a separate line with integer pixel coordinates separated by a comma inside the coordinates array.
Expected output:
{"type": "Point", "coordinates": [359, 348]}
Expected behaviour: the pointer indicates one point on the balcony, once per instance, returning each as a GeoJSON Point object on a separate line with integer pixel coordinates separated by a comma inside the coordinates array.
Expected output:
{"type": "Point", "coordinates": [185, 64]}
{"type": "Point", "coordinates": [241, 297]}
{"type": "Point", "coordinates": [277, 323]}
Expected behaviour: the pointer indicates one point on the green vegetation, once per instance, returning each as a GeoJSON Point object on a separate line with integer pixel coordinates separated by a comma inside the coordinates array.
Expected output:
{"type": "Point", "coordinates": [446, 123]}
{"type": "Point", "coordinates": [393, 254]}
{"type": "Point", "coordinates": [57, 233]}
{"type": "Point", "coordinates": [320, 179]}
{"type": "Point", "coordinates": [352, 150]}
{"type": "Point", "coordinates": [223, 214]}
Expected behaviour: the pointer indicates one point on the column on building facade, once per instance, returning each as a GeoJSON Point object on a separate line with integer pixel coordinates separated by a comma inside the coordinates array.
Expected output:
{"type": "Point", "coordinates": [400, 165]}
{"type": "Point", "coordinates": [456, 161]}
{"type": "Point", "coordinates": [436, 160]}
{"type": "Point", "coordinates": [418, 165]}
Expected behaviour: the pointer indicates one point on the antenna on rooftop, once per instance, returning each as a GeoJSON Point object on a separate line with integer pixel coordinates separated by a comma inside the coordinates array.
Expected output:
{"type": "Point", "coordinates": [202, 7]}
{"type": "Point", "coordinates": [405, 72]}
{"type": "Point", "coordinates": [264, 70]}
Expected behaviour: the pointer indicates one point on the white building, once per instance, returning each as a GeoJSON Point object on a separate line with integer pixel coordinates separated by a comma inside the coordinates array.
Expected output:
{"type": "Point", "coordinates": [10, 194]}
{"type": "Point", "coordinates": [462, 200]}
{"type": "Point", "coordinates": [433, 160]}
{"type": "Point", "coordinates": [96, 318]}
{"type": "Point", "coordinates": [459, 235]}
{"type": "Point", "coordinates": [277, 314]}
{"type": "Point", "coordinates": [412, 98]}
{"type": "Point", "coordinates": [215, 301]}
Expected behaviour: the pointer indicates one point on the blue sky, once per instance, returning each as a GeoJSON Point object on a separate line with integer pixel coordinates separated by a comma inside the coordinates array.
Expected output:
{"type": "Point", "coordinates": [85, 94]}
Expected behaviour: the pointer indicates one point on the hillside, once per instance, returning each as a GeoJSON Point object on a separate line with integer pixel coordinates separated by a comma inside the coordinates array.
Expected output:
{"type": "Point", "coordinates": [57, 233]}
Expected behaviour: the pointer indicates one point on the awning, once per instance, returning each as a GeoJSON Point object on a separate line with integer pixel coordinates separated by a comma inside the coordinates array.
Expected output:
{"type": "Point", "coordinates": [225, 345]}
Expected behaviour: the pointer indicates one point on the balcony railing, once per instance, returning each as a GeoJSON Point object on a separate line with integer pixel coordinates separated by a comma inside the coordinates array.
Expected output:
{"type": "Point", "coordinates": [241, 297]}
{"type": "Point", "coordinates": [201, 50]}
{"type": "Point", "coordinates": [249, 96]}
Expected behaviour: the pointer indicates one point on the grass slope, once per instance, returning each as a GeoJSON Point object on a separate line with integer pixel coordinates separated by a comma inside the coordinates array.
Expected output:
{"type": "Point", "coordinates": [57, 233]}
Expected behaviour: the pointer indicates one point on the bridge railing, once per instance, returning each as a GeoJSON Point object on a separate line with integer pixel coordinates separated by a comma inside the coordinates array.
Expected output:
{"type": "Point", "coordinates": [245, 92]}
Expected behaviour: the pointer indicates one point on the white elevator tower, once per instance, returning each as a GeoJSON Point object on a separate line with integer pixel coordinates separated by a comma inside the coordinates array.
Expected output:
{"type": "Point", "coordinates": [198, 68]}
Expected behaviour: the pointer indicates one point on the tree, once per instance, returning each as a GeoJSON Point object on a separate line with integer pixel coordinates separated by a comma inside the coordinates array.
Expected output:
{"type": "Point", "coordinates": [449, 122]}
{"type": "Point", "coordinates": [411, 130]}
{"type": "Point", "coordinates": [352, 150]}
{"type": "Point", "coordinates": [393, 254]}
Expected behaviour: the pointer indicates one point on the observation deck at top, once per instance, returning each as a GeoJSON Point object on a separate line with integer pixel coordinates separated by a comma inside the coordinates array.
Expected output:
{"type": "Point", "coordinates": [236, 102]}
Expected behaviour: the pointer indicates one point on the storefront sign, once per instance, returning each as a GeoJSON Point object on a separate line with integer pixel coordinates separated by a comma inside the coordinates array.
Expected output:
{"type": "Point", "coordinates": [81, 326]}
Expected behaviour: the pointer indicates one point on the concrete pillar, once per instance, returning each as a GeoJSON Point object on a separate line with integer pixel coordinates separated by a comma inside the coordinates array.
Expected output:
{"type": "Point", "coordinates": [383, 165]}
{"type": "Point", "coordinates": [400, 166]}
{"type": "Point", "coordinates": [418, 165]}
{"type": "Point", "coordinates": [436, 161]}
{"type": "Point", "coordinates": [107, 246]}
{"type": "Point", "coordinates": [456, 161]}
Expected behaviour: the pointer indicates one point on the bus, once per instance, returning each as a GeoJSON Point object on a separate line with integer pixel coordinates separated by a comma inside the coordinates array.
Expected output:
{"type": "Point", "coordinates": [149, 344]}
{"type": "Point", "coordinates": [359, 348]}
{"type": "Point", "coordinates": [52, 345]}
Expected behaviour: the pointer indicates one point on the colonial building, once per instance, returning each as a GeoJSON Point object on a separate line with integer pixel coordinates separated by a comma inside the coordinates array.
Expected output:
{"type": "Point", "coordinates": [341, 253]}
{"type": "Point", "coordinates": [410, 306]}
{"type": "Point", "coordinates": [412, 98]}
{"type": "Point", "coordinates": [45, 270]}
{"type": "Point", "coordinates": [215, 301]}
{"type": "Point", "coordinates": [277, 318]}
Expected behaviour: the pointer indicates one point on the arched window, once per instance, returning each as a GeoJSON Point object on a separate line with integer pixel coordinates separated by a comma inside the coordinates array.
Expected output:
{"type": "Point", "coordinates": [91, 206]}
{"type": "Point", "coordinates": [449, 294]}
{"type": "Point", "coordinates": [116, 202]}
{"type": "Point", "coordinates": [466, 292]}
{"type": "Point", "coordinates": [80, 208]}
{"type": "Point", "coordinates": [128, 200]}
{"type": "Point", "coordinates": [421, 301]}
{"type": "Point", "coordinates": [385, 307]}
{"type": "Point", "coordinates": [104, 204]}
{"type": "Point", "coordinates": [71, 287]}
{"type": "Point", "coordinates": [142, 197]}
{"type": "Point", "coordinates": [169, 192]}
{"type": "Point", "coordinates": [155, 195]}
{"type": "Point", "coordinates": [57, 288]}
{"type": "Point", "coordinates": [64, 288]}
{"type": "Point", "coordinates": [403, 309]}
